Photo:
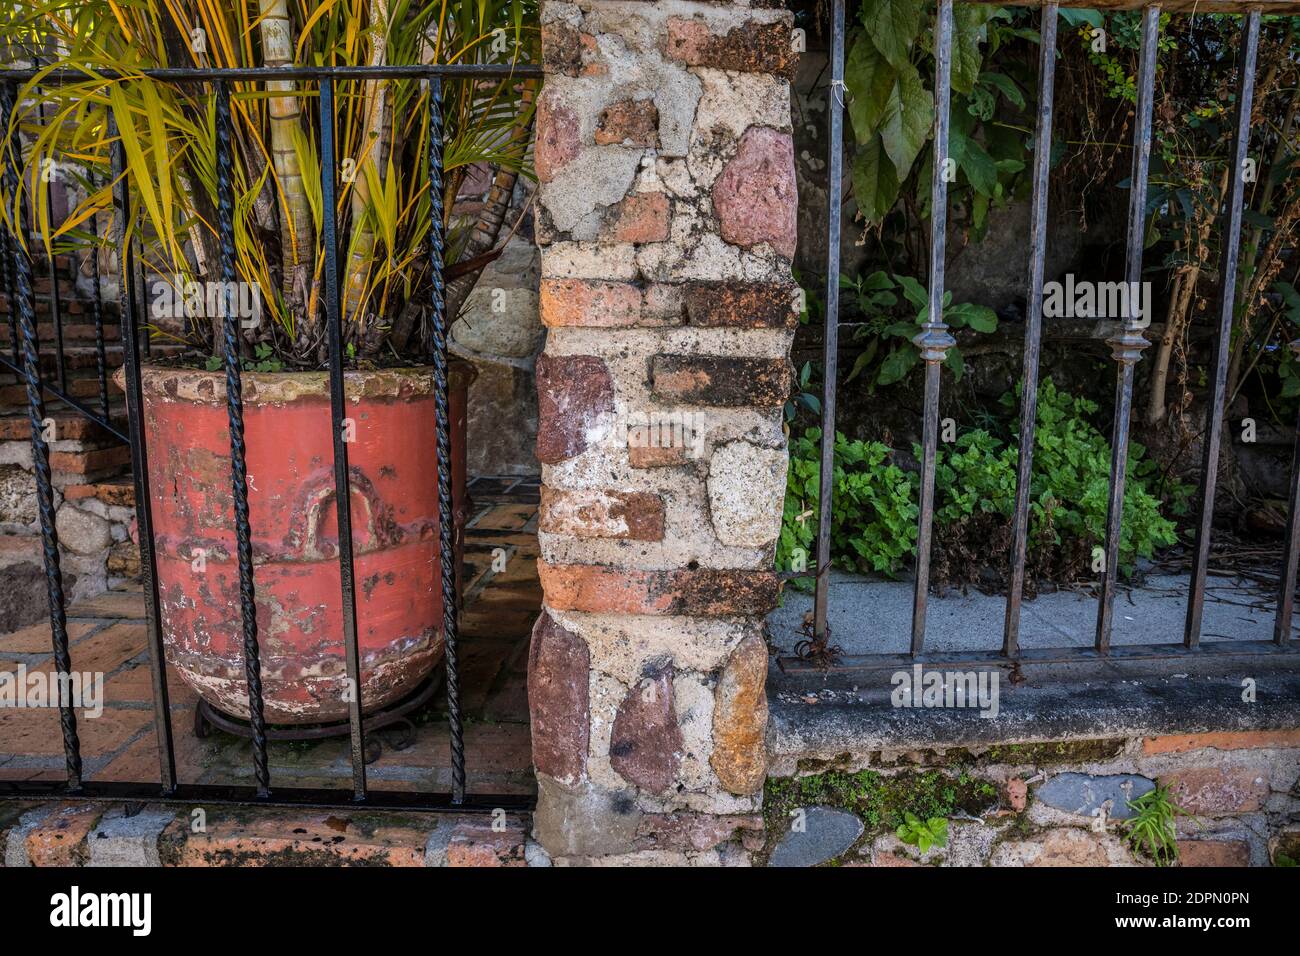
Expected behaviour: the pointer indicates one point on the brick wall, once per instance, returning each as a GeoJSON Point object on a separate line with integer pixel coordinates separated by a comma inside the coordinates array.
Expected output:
{"type": "Point", "coordinates": [666, 219]}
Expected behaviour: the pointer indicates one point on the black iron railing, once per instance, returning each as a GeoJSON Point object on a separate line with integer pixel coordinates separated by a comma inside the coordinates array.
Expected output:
{"type": "Point", "coordinates": [934, 341]}
{"type": "Point", "coordinates": [26, 363]}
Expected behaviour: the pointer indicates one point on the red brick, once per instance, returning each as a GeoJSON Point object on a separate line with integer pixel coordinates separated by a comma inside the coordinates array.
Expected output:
{"type": "Point", "coordinates": [573, 392]}
{"type": "Point", "coordinates": [594, 303]}
{"type": "Point", "coordinates": [1241, 740]}
{"type": "Point", "coordinates": [643, 455]}
{"type": "Point", "coordinates": [696, 831]}
{"type": "Point", "coordinates": [720, 381]}
{"type": "Point", "coordinates": [479, 845]}
{"type": "Point", "coordinates": [645, 744]}
{"type": "Point", "coordinates": [636, 515]}
{"type": "Point", "coordinates": [60, 839]}
{"type": "Point", "coordinates": [291, 838]}
{"type": "Point", "coordinates": [90, 462]}
{"type": "Point", "coordinates": [641, 217]}
{"type": "Point", "coordinates": [568, 51]}
{"type": "Point", "coordinates": [748, 305]}
{"type": "Point", "coordinates": [1216, 791]}
{"type": "Point", "coordinates": [1213, 853]}
{"type": "Point", "coordinates": [749, 48]}
{"type": "Point", "coordinates": [706, 592]}
{"type": "Point", "coordinates": [557, 137]}
{"type": "Point", "coordinates": [558, 700]}
{"type": "Point", "coordinates": [630, 123]}
{"type": "Point", "coordinates": [755, 197]}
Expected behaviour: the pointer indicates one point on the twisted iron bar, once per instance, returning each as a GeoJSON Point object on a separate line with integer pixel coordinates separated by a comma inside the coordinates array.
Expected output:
{"type": "Point", "coordinates": [6, 257]}
{"type": "Point", "coordinates": [238, 466]}
{"type": "Point", "coordinates": [22, 301]}
{"type": "Point", "coordinates": [446, 531]}
{"type": "Point", "coordinates": [97, 316]}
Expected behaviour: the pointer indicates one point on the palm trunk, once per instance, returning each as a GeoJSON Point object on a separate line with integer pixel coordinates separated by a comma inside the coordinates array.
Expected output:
{"type": "Point", "coordinates": [297, 235]}
{"type": "Point", "coordinates": [377, 130]}
{"type": "Point", "coordinates": [488, 228]}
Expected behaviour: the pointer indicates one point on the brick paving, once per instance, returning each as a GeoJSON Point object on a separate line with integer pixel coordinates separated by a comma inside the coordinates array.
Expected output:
{"type": "Point", "coordinates": [108, 636]}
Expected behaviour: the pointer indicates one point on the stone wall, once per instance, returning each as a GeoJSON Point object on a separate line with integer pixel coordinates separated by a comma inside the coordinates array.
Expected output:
{"type": "Point", "coordinates": [1048, 803]}
{"type": "Point", "coordinates": [666, 220]}
{"type": "Point", "coordinates": [93, 495]}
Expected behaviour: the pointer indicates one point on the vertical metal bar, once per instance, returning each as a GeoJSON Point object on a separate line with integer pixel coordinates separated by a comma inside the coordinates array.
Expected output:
{"type": "Point", "coordinates": [831, 329]}
{"type": "Point", "coordinates": [137, 276]}
{"type": "Point", "coordinates": [24, 302]}
{"type": "Point", "coordinates": [8, 250]}
{"type": "Point", "coordinates": [934, 340]}
{"type": "Point", "coordinates": [97, 316]}
{"type": "Point", "coordinates": [1020, 519]}
{"type": "Point", "coordinates": [1291, 556]}
{"type": "Point", "coordinates": [1222, 345]}
{"type": "Point", "coordinates": [342, 474]}
{"type": "Point", "coordinates": [1127, 345]}
{"type": "Point", "coordinates": [56, 300]}
{"type": "Point", "coordinates": [235, 416]}
{"type": "Point", "coordinates": [140, 462]}
{"type": "Point", "coordinates": [446, 529]}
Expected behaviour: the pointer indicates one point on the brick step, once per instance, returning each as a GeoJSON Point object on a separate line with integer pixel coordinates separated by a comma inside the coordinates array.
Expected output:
{"type": "Point", "coordinates": [75, 331]}
{"type": "Point", "coordinates": [69, 425]}
{"type": "Point", "coordinates": [82, 358]}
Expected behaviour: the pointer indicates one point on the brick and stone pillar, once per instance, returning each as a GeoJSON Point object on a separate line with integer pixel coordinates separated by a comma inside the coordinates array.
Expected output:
{"type": "Point", "coordinates": [666, 218]}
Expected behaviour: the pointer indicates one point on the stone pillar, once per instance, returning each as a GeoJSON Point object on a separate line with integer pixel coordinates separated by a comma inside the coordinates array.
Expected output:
{"type": "Point", "coordinates": [666, 218]}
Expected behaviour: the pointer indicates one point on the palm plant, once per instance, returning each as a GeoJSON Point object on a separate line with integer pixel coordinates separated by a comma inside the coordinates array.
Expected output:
{"type": "Point", "coordinates": [167, 131]}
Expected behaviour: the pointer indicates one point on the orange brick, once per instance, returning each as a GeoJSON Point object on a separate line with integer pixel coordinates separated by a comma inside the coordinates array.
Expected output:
{"type": "Point", "coordinates": [478, 845]}
{"type": "Point", "coordinates": [1213, 853]}
{"type": "Point", "coordinates": [707, 592]}
{"type": "Point", "coordinates": [1243, 740]}
{"type": "Point", "coordinates": [60, 839]}
{"type": "Point", "coordinates": [295, 839]}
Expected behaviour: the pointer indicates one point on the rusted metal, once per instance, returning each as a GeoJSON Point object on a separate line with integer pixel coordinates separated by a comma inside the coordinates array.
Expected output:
{"type": "Point", "coordinates": [1223, 344]}
{"type": "Point", "coordinates": [831, 328]}
{"type": "Point", "coordinates": [340, 423]}
{"type": "Point", "coordinates": [1290, 544]}
{"type": "Point", "coordinates": [934, 339]}
{"type": "Point", "coordinates": [1020, 518]}
{"type": "Point", "coordinates": [1128, 343]}
{"type": "Point", "coordinates": [231, 353]}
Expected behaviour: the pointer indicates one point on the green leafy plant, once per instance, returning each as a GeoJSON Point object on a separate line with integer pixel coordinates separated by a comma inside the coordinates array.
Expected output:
{"type": "Point", "coordinates": [891, 106]}
{"type": "Point", "coordinates": [1151, 834]}
{"type": "Point", "coordinates": [888, 337]}
{"type": "Point", "coordinates": [875, 517]}
{"type": "Point", "coordinates": [923, 834]}
{"type": "Point", "coordinates": [168, 134]}
{"type": "Point", "coordinates": [874, 508]}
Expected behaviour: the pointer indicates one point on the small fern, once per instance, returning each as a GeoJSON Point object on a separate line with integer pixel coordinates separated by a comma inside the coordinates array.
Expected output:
{"type": "Point", "coordinates": [1151, 833]}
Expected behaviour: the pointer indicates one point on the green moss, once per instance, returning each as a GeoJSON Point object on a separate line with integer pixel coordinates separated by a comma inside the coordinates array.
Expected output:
{"type": "Point", "coordinates": [880, 799]}
{"type": "Point", "coordinates": [1054, 752]}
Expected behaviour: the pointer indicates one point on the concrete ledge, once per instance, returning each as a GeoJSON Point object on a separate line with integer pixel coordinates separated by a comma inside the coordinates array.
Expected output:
{"type": "Point", "coordinates": [824, 717]}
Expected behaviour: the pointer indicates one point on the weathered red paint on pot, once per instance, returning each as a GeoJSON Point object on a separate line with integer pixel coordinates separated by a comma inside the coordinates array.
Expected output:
{"type": "Point", "coordinates": [295, 533]}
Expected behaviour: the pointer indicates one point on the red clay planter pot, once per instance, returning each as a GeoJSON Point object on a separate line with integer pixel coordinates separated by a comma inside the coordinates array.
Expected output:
{"type": "Point", "coordinates": [295, 533]}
